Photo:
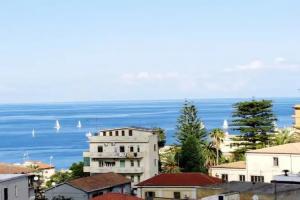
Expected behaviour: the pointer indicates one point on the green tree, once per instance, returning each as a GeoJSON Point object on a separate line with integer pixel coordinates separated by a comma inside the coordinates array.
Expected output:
{"type": "Point", "coordinates": [161, 137]}
{"type": "Point", "coordinates": [188, 124]}
{"type": "Point", "coordinates": [59, 177]}
{"type": "Point", "coordinates": [169, 160]}
{"type": "Point", "coordinates": [77, 170]}
{"type": "Point", "coordinates": [255, 121]}
{"type": "Point", "coordinates": [191, 158]}
{"type": "Point", "coordinates": [283, 136]}
{"type": "Point", "coordinates": [217, 136]}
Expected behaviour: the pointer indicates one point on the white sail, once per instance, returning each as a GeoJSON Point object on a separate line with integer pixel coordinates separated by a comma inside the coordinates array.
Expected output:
{"type": "Point", "coordinates": [89, 134]}
{"type": "Point", "coordinates": [79, 124]}
{"type": "Point", "coordinates": [57, 125]}
{"type": "Point", "coordinates": [33, 133]}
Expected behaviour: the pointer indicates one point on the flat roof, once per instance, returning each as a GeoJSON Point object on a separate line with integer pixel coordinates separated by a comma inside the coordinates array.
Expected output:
{"type": "Point", "coordinates": [291, 148]}
{"type": "Point", "coordinates": [232, 165]}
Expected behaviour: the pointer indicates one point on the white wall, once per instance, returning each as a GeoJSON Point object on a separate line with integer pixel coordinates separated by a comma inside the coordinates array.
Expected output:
{"type": "Point", "coordinates": [233, 174]}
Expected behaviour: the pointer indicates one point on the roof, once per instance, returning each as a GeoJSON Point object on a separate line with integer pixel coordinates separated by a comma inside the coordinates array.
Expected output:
{"type": "Point", "coordinates": [291, 148]}
{"type": "Point", "coordinates": [180, 179]}
{"type": "Point", "coordinates": [131, 127]}
{"type": "Point", "coordinates": [116, 196]}
{"type": "Point", "coordinates": [39, 165]}
{"type": "Point", "coordinates": [6, 177]}
{"type": "Point", "coordinates": [256, 187]}
{"type": "Point", "coordinates": [98, 181]}
{"type": "Point", "coordinates": [6, 168]}
{"type": "Point", "coordinates": [297, 106]}
{"type": "Point", "coordinates": [232, 165]}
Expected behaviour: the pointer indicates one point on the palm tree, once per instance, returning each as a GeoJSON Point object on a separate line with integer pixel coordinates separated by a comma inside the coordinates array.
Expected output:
{"type": "Point", "coordinates": [217, 135]}
{"type": "Point", "coordinates": [284, 136]}
{"type": "Point", "coordinates": [169, 161]}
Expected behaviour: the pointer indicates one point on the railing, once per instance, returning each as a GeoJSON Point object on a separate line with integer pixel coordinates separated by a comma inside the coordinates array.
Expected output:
{"type": "Point", "coordinates": [114, 155]}
{"type": "Point", "coordinates": [121, 170]}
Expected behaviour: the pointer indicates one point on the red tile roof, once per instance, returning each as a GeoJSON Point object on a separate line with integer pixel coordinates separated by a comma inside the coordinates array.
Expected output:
{"type": "Point", "coordinates": [181, 179]}
{"type": "Point", "coordinates": [98, 181]}
{"type": "Point", "coordinates": [39, 165]}
{"type": "Point", "coordinates": [6, 168]}
{"type": "Point", "coordinates": [116, 196]}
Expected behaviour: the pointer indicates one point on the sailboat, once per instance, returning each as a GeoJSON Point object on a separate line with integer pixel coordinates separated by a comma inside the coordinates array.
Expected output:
{"type": "Point", "coordinates": [57, 125]}
{"type": "Point", "coordinates": [79, 124]}
{"type": "Point", "coordinates": [33, 133]}
{"type": "Point", "coordinates": [225, 127]}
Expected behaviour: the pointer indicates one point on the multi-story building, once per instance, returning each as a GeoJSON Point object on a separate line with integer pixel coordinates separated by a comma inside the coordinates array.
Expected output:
{"type": "Point", "coordinates": [297, 118]}
{"type": "Point", "coordinates": [132, 152]}
{"type": "Point", "coordinates": [261, 165]}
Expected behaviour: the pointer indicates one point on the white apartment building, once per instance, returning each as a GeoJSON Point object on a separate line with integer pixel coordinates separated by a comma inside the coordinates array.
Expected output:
{"type": "Point", "coordinates": [132, 152]}
{"type": "Point", "coordinates": [261, 165]}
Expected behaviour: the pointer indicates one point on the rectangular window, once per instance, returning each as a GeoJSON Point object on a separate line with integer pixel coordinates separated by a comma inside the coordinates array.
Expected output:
{"type": "Point", "coordinates": [139, 178]}
{"type": "Point", "coordinates": [138, 163]}
{"type": "Point", "coordinates": [138, 148]}
{"type": "Point", "coordinates": [117, 133]}
{"type": "Point", "coordinates": [132, 178]}
{"type": "Point", "coordinates": [101, 163]}
{"type": "Point", "coordinates": [225, 177]}
{"type": "Point", "coordinates": [122, 149]}
{"type": "Point", "coordinates": [257, 179]}
{"type": "Point", "coordinates": [131, 149]}
{"type": "Point", "coordinates": [154, 147]}
{"type": "Point", "coordinates": [149, 195]}
{"type": "Point", "coordinates": [275, 162]}
{"type": "Point", "coordinates": [123, 133]}
{"type": "Point", "coordinates": [132, 163]}
{"type": "Point", "coordinates": [242, 178]}
{"type": "Point", "coordinates": [130, 132]}
{"type": "Point", "coordinates": [104, 133]}
{"type": "Point", "coordinates": [155, 162]}
{"type": "Point", "coordinates": [122, 163]}
{"type": "Point", "coordinates": [110, 133]}
{"type": "Point", "coordinates": [16, 191]}
{"type": "Point", "coordinates": [86, 161]}
{"type": "Point", "coordinates": [100, 148]}
{"type": "Point", "coordinates": [176, 195]}
{"type": "Point", "coordinates": [5, 193]}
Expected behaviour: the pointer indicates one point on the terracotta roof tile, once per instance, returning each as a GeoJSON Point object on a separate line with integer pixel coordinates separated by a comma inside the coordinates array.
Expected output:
{"type": "Point", "coordinates": [291, 148]}
{"type": "Point", "coordinates": [233, 165]}
{"type": "Point", "coordinates": [98, 181]}
{"type": "Point", "coordinates": [116, 196]}
{"type": "Point", "coordinates": [6, 168]}
{"type": "Point", "coordinates": [181, 179]}
{"type": "Point", "coordinates": [39, 165]}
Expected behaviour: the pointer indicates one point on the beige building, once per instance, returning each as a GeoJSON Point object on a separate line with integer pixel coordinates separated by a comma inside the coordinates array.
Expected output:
{"type": "Point", "coordinates": [261, 165]}
{"type": "Point", "coordinates": [132, 152]}
{"type": "Point", "coordinates": [174, 186]}
{"type": "Point", "coordinates": [297, 118]}
{"type": "Point", "coordinates": [44, 170]}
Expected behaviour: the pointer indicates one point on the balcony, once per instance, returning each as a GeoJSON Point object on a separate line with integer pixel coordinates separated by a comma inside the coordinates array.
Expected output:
{"type": "Point", "coordinates": [127, 170]}
{"type": "Point", "coordinates": [130, 155]}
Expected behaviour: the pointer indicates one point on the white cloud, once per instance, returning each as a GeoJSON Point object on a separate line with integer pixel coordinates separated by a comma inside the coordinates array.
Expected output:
{"type": "Point", "coordinates": [149, 76]}
{"type": "Point", "coordinates": [253, 65]}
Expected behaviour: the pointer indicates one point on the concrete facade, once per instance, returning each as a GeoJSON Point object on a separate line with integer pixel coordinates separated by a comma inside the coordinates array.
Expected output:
{"type": "Point", "coordinates": [132, 152]}
{"type": "Point", "coordinates": [297, 118]}
{"type": "Point", "coordinates": [14, 187]}
{"type": "Point", "coordinates": [168, 192]}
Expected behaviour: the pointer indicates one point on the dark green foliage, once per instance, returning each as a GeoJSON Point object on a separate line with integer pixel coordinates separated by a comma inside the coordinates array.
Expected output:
{"type": "Point", "coordinates": [161, 137]}
{"type": "Point", "coordinates": [254, 120]}
{"type": "Point", "coordinates": [191, 158]}
{"type": "Point", "coordinates": [77, 170]}
{"type": "Point", "coordinates": [188, 123]}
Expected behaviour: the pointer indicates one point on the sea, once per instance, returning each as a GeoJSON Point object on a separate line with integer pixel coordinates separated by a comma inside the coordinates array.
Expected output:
{"type": "Point", "coordinates": [64, 147]}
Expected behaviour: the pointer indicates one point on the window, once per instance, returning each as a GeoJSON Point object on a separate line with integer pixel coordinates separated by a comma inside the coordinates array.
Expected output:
{"type": "Point", "coordinates": [104, 133]}
{"type": "Point", "coordinates": [132, 163]}
{"type": "Point", "coordinates": [122, 149]}
{"type": "Point", "coordinates": [154, 147]}
{"type": "Point", "coordinates": [100, 148]}
{"type": "Point", "coordinates": [123, 133]}
{"type": "Point", "coordinates": [16, 191]}
{"type": "Point", "coordinates": [86, 161]}
{"type": "Point", "coordinates": [117, 133]}
{"type": "Point", "coordinates": [225, 177]}
{"type": "Point", "coordinates": [138, 163]}
{"type": "Point", "coordinates": [138, 148]}
{"type": "Point", "coordinates": [275, 162]}
{"type": "Point", "coordinates": [132, 178]}
{"type": "Point", "coordinates": [5, 193]}
{"type": "Point", "coordinates": [139, 178]}
{"type": "Point", "coordinates": [149, 195]}
{"type": "Point", "coordinates": [122, 163]}
{"type": "Point", "coordinates": [242, 178]}
{"type": "Point", "coordinates": [110, 133]}
{"type": "Point", "coordinates": [257, 179]}
{"type": "Point", "coordinates": [131, 149]}
{"type": "Point", "coordinates": [130, 132]}
{"type": "Point", "coordinates": [176, 195]}
{"type": "Point", "coordinates": [101, 163]}
{"type": "Point", "coordinates": [155, 162]}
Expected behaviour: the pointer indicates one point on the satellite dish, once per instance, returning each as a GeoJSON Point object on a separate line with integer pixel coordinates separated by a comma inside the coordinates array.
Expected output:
{"type": "Point", "coordinates": [255, 197]}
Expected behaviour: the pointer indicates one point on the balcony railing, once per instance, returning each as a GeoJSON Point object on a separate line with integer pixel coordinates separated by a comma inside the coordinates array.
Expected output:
{"type": "Point", "coordinates": [121, 170]}
{"type": "Point", "coordinates": [115, 155]}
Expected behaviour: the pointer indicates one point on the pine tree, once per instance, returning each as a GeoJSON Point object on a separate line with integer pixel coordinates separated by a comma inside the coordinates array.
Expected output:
{"type": "Point", "coordinates": [254, 120]}
{"type": "Point", "coordinates": [191, 158]}
{"type": "Point", "coordinates": [188, 123]}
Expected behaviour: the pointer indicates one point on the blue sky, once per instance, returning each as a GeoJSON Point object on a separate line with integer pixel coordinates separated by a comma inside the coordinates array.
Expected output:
{"type": "Point", "coordinates": [131, 49]}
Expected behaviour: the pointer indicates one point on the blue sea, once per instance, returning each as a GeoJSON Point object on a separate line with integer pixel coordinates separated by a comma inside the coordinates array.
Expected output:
{"type": "Point", "coordinates": [66, 146]}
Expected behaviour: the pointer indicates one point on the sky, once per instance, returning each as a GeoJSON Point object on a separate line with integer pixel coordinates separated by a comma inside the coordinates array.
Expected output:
{"type": "Point", "coordinates": [56, 51]}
